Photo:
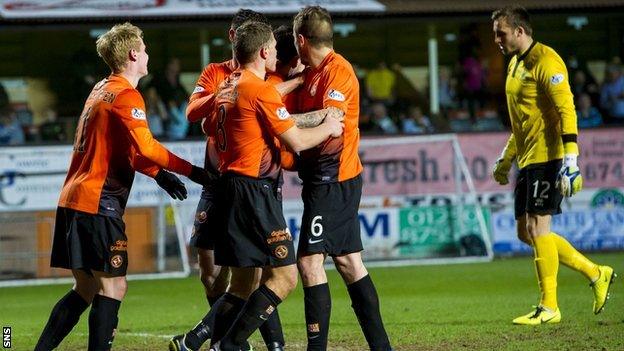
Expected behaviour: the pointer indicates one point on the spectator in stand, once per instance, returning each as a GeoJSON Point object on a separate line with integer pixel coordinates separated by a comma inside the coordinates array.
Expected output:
{"type": "Point", "coordinates": [175, 98]}
{"type": "Point", "coordinates": [367, 125]}
{"type": "Point", "coordinates": [4, 100]}
{"type": "Point", "coordinates": [416, 122]}
{"type": "Point", "coordinates": [380, 84]}
{"type": "Point", "coordinates": [612, 93]}
{"type": "Point", "coordinates": [383, 122]}
{"type": "Point", "coordinates": [51, 129]}
{"type": "Point", "coordinates": [584, 84]}
{"type": "Point", "coordinates": [446, 86]}
{"type": "Point", "coordinates": [473, 83]}
{"type": "Point", "coordinates": [156, 112]}
{"type": "Point", "coordinates": [587, 115]}
{"type": "Point", "coordinates": [11, 132]}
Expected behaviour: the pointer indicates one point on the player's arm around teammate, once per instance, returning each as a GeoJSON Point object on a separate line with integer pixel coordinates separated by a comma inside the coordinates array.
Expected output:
{"type": "Point", "coordinates": [332, 188]}
{"type": "Point", "coordinates": [251, 114]}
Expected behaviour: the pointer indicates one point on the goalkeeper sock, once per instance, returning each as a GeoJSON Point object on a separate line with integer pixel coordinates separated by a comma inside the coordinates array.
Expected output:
{"type": "Point", "coordinates": [63, 318]}
{"type": "Point", "coordinates": [317, 301]}
{"type": "Point", "coordinates": [570, 257]}
{"type": "Point", "coordinates": [226, 310]}
{"type": "Point", "coordinates": [271, 330]}
{"type": "Point", "coordinates": [546, 266]}
{"type": "Point", "coordinates": [261, 304]}
{"type": "Point", "coordinates": [365, 303]}
{"type": "Point", "coordinates": [103, 322]}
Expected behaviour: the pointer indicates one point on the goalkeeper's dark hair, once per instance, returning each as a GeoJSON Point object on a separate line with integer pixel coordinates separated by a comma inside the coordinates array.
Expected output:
{"type": "Point", "coordinates": [285, 43]}
{"type": "Point", "coordinates": [516, 16]}
{"type": "Point", "coordinates": [247, 15]}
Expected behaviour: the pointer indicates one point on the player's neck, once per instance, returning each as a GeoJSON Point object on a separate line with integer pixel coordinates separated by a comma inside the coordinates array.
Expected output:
{"type": "Point", "coordinates": [257, 68]}
{"type": "Point", "coordinates": [132, 77]}
{"type": "Point", "coordinates": [525, 45]}
{"type": "Point", "coordinates": [318, 55]}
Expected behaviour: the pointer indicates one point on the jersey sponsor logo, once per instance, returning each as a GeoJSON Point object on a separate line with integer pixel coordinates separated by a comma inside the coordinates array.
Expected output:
{"type": "Point", "coordinates": [281, 252]}
{"type": "Point", "coordinates": [198, 89]}
{"type": "Point", "coordinates": [282, 113]}
{"type": "Point", "coordinates": [336, 95]}
{"type": "Point", "coordinates": [279, 235]}
{"type": "Point", "coordinates": [557, 78]}
{"type": "Point", "coordinates": [137, 113]}
{"type": "Point", "coordinates": [120, 245]}
{"type": "Point", "coordinates": [116, 261]}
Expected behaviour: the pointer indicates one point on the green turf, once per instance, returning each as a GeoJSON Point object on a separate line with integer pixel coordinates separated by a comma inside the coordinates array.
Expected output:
{"type": "Point", "coordinates": [452, 307]}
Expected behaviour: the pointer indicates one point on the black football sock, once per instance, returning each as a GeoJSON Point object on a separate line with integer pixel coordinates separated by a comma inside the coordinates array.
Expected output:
{"type": "Point", "coordinates": [365, 303]}
{"type": "Point", "coordinates": [261, 304]}
{"type": "Point", "coordinates": [63, 318]}
{"type": "Point", "coordinates": [203, 330]}
{"type": "Point", "coordinates": [103, 322]}
{"type": "Point", "coordinates": [213, 299]}
{"type": "Point", "coordinates": [271, 330]}
{"type": "Point", "coordinates": [317, 300]}
{"type": "Point", "coordinates": [226, 309]}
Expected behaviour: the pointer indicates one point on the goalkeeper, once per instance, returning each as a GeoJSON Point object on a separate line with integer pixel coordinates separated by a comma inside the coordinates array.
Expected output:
{"type": "Point", "coordinates": [544, 145]}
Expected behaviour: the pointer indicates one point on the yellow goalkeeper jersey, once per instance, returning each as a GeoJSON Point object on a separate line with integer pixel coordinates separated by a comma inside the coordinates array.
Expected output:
{"type": "Point", "coordinates": [541, 105]}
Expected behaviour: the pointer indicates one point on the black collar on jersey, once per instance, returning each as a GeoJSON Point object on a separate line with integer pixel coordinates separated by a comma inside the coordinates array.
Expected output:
{"type": "Point", "coordinates": [521, 57]}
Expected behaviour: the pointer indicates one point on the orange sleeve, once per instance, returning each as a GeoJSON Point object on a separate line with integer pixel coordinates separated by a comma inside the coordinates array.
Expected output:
{"type": "Point", "coordinates": [130, 109]}
{"type": "Point", "coordinates": [338, 88]}
{"type": "Point", "coordinates": [201, 101]}
{"type": "Point", "coordinates": [272, 110]}
{"type": "Point", "coordinates": [143, 165]}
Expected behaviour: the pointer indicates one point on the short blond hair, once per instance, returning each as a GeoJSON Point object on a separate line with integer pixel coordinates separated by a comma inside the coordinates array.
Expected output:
{"type": "Point", "coordinates": [113, 46]}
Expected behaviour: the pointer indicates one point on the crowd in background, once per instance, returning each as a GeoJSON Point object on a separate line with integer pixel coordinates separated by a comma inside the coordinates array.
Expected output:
{"type": "Point", "coordinates": [390, 103]}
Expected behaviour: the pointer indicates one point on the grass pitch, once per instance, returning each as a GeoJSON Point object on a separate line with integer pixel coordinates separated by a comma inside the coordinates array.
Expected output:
{"type": "Point", "coordinates": [452, 307]}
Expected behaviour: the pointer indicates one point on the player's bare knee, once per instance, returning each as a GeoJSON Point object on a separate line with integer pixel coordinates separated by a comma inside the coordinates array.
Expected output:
{"type": "Point", "coordinates": [350, 267]}
{"type": "Point", "coordinates": [311, 268]}
{"type": "Point", "coordinates": [282, 280]}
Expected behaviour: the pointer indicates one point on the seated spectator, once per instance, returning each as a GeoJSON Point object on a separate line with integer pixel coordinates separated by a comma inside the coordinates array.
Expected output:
{"type": "Point", "coordinates": [383, 122]}
{"type": "Point", "coordinates": [581, 84]}
{"type": "Point", "coordinates": [175, 98]}
{"type": "Point", "coordinates": [156, 112]}
{"type": "Point", "coordinates": [587, 115]}
{"type": "Point", "coordinates": [11, 132]}
{"type": "Point", "coordinates": [612, 93]}
{"type": "Point", "coordinates": [416, 122]}
{"type": "Point", "coordinates": [51, 129]}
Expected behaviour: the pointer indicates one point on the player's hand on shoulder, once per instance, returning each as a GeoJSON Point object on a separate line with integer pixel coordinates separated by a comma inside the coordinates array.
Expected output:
{"type": "Point", "coordinates": [500, 172]}
{"type": "Point", "coordinates": [171, 184]}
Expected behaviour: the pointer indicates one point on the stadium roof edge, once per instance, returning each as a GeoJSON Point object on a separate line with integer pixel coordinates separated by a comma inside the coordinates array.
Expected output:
{"type": "Point", "coordinates": [420, 7]}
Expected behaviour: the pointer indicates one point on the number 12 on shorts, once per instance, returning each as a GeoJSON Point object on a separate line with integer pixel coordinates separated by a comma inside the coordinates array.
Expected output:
{"type": "Point", "coordinates": [545, 188]}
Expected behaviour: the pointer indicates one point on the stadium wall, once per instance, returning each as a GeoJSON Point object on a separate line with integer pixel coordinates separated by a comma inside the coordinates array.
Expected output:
{"type": "Point", "coordinates": [409, 189]}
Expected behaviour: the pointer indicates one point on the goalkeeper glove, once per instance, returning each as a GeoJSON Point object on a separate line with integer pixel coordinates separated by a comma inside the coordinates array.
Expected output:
{"type": "Point", "coordinates": [569, 179]}
{"type": "Point", "coordinates": [171, 184]}
{"type": "Point", "coordinates": [501, 171]}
